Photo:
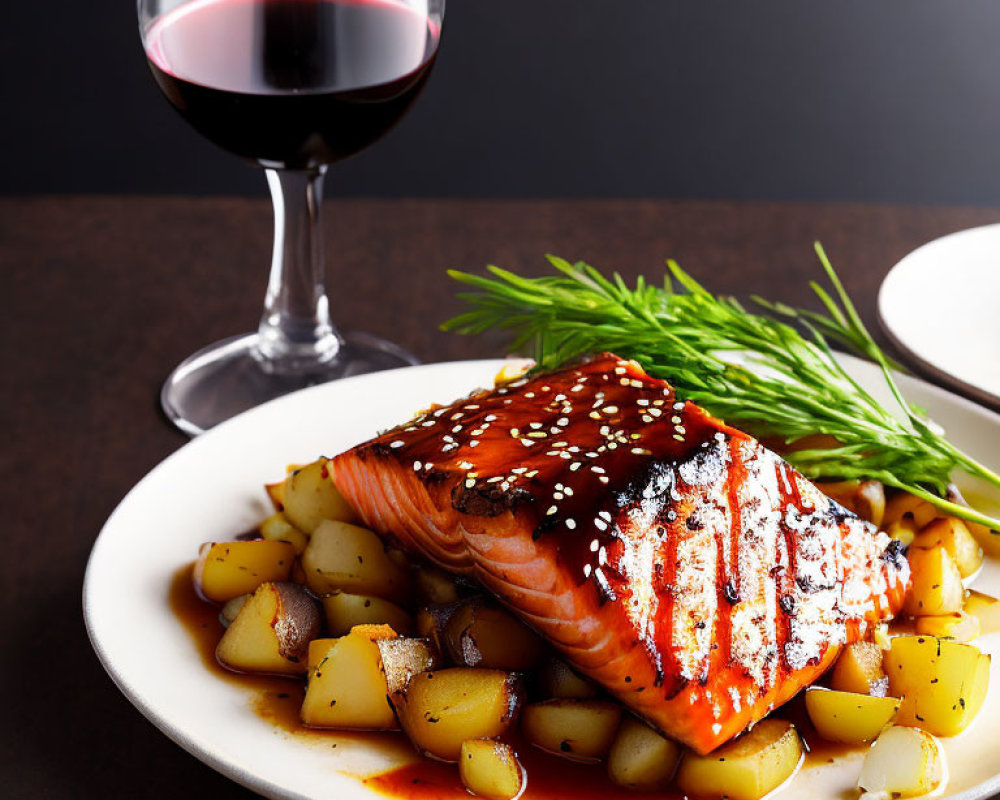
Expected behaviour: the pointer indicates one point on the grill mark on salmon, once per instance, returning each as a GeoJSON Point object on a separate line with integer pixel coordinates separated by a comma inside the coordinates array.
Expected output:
{"type": "Point", "coordinates": [667, 556]}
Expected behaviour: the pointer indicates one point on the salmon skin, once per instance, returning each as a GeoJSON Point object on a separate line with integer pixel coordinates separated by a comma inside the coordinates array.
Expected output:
{"type": "Point", "coordinates": [672, 559]}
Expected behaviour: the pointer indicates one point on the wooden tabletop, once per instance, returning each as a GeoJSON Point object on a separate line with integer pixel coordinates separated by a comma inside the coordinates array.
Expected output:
{"type": "Point", "coordinates": [105, 295]}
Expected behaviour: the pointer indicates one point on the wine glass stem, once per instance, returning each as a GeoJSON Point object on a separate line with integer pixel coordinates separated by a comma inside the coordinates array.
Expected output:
{"type": "Point", "coordinates": [295, 331]}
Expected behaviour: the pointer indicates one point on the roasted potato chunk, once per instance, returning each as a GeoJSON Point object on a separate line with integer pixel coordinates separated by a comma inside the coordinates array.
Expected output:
{"type": "Point", "coordinates": [959, 627]}
{"type": "Point", "coordinates": [580, 730]}
{"type": "Point", "coordinates": [943, 684]}
{"type": "Point", "coordinates": [478, 635]}
{"type": "Point", "coordinates": [225, 570]}
{"type": "Point", "coordinates": [937, 584]}
{"type": "Point", "coordinates": [277, 528]}
{"type": "Point", "coordinates": [986, 609]}
{"type": "Point", "coordinates": [904, 504]}
{"type": "Point", "coordinates": [343, 557]}
{"type": "Point", "coordinates": [746, 768]}
{"type": "Point", "coordinates": [347, 686]}
{"type": "Point", "coordinates": [642, 758]}
{"type": "Point", "coordinates": [848, 717]}
{"type": "Point", "coordinates": [903, 529]}
{"type": "Point", "coordinates": [489, 769]}
{"type": "Point", "coordinates": [953, 535]}
{"type": "Point", "coordinates": [344, 611]}
{"type": "Point", "coordinates": [557, 680]}
{"type": "Point", "coordinates": [903, 762]}
{"type": "Point", "coordinates": [309, 497]}
{"type": "Point", "coordinates": [435, 586]}
{"type": "Point", "coordinates": [271, 633]}
{"type": "Point", "coordinates": [859, 669]}
{"type": "Point", "coordinates": [440, 709]}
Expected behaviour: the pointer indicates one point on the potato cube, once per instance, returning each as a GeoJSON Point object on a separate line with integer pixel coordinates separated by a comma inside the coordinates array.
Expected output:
{"type": "Point", "coordinates": [347, 687]}
{"type": "Point", "coordinates": [903, 529]}
{"type": "Point", "coordinates": [953, 535]}
{"type": "Point", "coordinates": [642, 758]}
{"type": "Point", "coordinates": [478, 635]}
{"type": "Point", "coordinates": [988, 538]}
{"type": "Point", "coordinates": [746, 768]}
{"type": "Point", "coordinates": [310, 496]}
{"type": "Point", "coordinates": [271, 633]}
{"type": "Point", "coordinates": [943, 684]}
{"type": "Point", "coordinates": [903, 762]}
{"type": "Point", "coordinates": [225, 570]}
{"type": "Point", "coordinates": [344, 611]}
{"type": "Point", "coordinates": [441, 709]}
{"type": "Point", "coordinates": [558, 680]}
{"type": "Point", "coordinates": [986, 609]}
{"type": "Point", "coordinates": [847, 717]}
{"type": "Point", "coordinates": [343, 557]}
{"type": "Point", "coordinates": [434, 585]}
{"type": "Point", "coordinates": [959, 627]}
{"type": "Point", "coordinates": [937, 584]}
{"type": "Point", "coordinates": [580, 730]}
{"type": "Point", "coordinates": [903, 504]}
{"type": "Point", "coordinates": [859, 669]}
{"type": "Point", "coordinates": [277, 528]}
{"type": "Point", "coordinates": [489, 769]}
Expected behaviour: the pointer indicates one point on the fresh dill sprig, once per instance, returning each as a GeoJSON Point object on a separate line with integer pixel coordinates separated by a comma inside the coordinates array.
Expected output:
{"type": "Point", "coordinates": [755, 371]}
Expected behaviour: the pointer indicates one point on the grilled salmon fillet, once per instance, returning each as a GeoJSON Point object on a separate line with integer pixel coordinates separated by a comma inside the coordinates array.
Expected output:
{"type": "Point", "coordinates": [672, 559]}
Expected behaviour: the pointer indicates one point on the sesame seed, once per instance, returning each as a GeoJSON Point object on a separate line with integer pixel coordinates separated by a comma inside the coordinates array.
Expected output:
{"type": "Point", "coordinates": [474, 443]}
{"type": "Point", "coordinates": [603, 479]}
{"type": "Point", "coordinates": [490, 418]}
{"type": "Point", "coordinates": [681, 429]}
{"type": "Point", "coordinates": [678, 406]}
{"type": "Point", "coordinates": [494, 479]}
{"type": "Point", "coordinates": [678, 437]}
{"type": "Point", "coordinates": [396, 444]}
{"type": "Point", "coordinates": [571, 524]}
{"type": "Point", "coordinates": [602, 556]}
{"type": "Point", "coordinates": [594, 545]}
{"type": "Point", "coordinates": [600, 470]}
{"type": "Point", "coordinates": [464, 465]}
{"type": "Point", "coordinates": [469, 483]}
{"type": "Point", "coordinates": [557, 495]}
{"type": "Point", "coordinates": [527, 442]}
{"type": "Point", "coordinates": [641, 451]}
{"type": "Point", "coordinates": [519, 470]}
{"type": "Point", "coordinates": [676, 420]}
{"type": "Point", "coordinates": [416, 466]}
{"type": "Point", "coordinates": [600, 524]}
{"type": "Point", "coordinates": [647, 419]}
{"type": "Point", "coordinates": [594, 415]}
{"type": "Point", "coordinates": [428, 466]}
{"type": "Point", "coordinates": [531, 474]}
{"type": "Point", "coordinates": [587, 569]}
{"type": "Point", "coordinates": [642, 401]}
{"type": "Point", "coordinates": [551, 510]}
{"type": "Point", "coordinates": [655, 412]}
{"type": "Point", "coordinates": [457, 429]}
{"type": "Point", "coordinates": [529, 395]}
{"type": "Point", "coordinates": [537, 435]}
{"type": "Point", "coordinates": [610, 409]}
{"type": "Point", "coordinates": [620, 370]}
{"type": "Point", "coordinates": [568, 491]}
{"type": "Point", "coordinates": [477, 432]}
{"type": "Point", "coordinates": [429, 423]}
{"type": "Point", "coordinates": [575, 466]}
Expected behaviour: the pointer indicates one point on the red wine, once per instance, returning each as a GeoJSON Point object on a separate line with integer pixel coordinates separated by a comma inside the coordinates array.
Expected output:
{"type": "Point", "coordinates": [292, 83]}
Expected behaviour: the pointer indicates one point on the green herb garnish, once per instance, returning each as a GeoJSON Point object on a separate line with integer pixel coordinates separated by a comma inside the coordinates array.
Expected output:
{"type": "Point", "coordinates": [756, 371]}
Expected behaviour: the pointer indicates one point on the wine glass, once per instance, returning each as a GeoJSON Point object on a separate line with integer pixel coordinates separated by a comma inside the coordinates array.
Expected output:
{"type": "Point", "coordinates": [291, 86]}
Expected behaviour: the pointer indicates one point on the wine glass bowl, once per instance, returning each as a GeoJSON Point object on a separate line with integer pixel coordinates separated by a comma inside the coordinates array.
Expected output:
{"type": "Point", "coordinates": [291, 86]}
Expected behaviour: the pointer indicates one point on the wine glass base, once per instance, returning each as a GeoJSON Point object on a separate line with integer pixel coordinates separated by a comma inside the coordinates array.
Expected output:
{"type": "Point", "coordinates": [228, 377]}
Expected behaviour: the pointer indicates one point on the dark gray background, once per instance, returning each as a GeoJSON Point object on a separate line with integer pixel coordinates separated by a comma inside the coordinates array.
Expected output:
{"type": "Point", "coordinates": [885, 100]}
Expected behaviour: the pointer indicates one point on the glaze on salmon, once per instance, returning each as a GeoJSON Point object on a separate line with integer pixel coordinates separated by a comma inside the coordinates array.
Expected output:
{"type": "Point", "coordinates": [667, 556]}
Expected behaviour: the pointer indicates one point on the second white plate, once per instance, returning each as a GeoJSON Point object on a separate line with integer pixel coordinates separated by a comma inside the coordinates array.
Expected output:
{"type": "Point", "coordinates": [941, 306]}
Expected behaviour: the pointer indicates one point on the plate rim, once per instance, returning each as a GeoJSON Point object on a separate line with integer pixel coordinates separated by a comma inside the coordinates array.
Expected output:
{"type": "Point", "coordinates": [927, 368]}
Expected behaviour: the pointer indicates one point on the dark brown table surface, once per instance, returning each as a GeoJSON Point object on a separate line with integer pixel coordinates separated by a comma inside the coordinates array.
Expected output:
{"type": "Point", "coordinates": [103, 296]}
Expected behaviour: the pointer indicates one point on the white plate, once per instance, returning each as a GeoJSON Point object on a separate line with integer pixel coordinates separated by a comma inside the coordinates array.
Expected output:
{"type": "Point", "coordinates": [940, 305]}
{"type": "Point", "coordinates": [210, 489]}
